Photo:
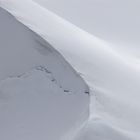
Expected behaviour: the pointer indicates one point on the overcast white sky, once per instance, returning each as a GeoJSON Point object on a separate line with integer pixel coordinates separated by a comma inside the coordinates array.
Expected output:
{"type": "Point", "coordinates": [116, 21]}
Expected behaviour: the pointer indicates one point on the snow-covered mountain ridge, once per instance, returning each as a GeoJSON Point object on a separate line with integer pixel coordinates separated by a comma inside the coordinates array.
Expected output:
{"type": "Point", "coordinates": [112, 77]}
{"type": "Point", "coordinates": [41, 95]}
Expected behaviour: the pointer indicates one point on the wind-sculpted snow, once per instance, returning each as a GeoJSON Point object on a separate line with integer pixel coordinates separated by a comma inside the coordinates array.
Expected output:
{"type": "Point", "coordinates": [22, 49]}
{"type": "Point", "coordinates": [113, 78]}
{"type": "Point", "coordinates": [41, 95]}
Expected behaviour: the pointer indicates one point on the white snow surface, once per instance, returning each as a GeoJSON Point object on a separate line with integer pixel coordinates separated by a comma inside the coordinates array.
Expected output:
{"type": "Point", "coordinates": [34, 107]}
{"type": "Point", "coordinates": [113, 78]}
{"type": "Point", "coordinates": [41, 95]}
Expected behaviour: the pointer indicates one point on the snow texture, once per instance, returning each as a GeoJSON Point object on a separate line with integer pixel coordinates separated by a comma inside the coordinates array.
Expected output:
{"type": "Point", "coordinates": [41, 95]}
{"type": "Point", "coordinates": [113, 78]}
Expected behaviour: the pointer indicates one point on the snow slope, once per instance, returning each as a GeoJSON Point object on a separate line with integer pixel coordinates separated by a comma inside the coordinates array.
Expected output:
{"type": "Point", "coordinates": [113, 20]}
{"type": "Point", "coordinates": [34, 107]}
{"type": "Point", "coordinates": [113, 78]}
{"type": "Point", "coordinates": [41, 95]}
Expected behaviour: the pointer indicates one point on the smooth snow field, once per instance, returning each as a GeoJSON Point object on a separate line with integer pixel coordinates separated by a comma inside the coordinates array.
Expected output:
{"type": "Point", "coordinates": [61, 113]}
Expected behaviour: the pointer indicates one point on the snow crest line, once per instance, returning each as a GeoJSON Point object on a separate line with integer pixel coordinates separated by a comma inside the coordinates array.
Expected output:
{"type": "Point", "coordinates": [113, 77]}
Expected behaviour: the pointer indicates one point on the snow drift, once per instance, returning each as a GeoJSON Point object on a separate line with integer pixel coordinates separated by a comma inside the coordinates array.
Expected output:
{"type": "Point", "coordinates": [41, 95]}
{"type": "Point", "coordinates": [112, 77]}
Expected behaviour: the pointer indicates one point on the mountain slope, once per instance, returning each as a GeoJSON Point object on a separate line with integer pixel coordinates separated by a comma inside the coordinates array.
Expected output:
{"type": "Point", "coordinates": [41, 95]}
{"type": "Point", "coordinates": [113, 78]}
